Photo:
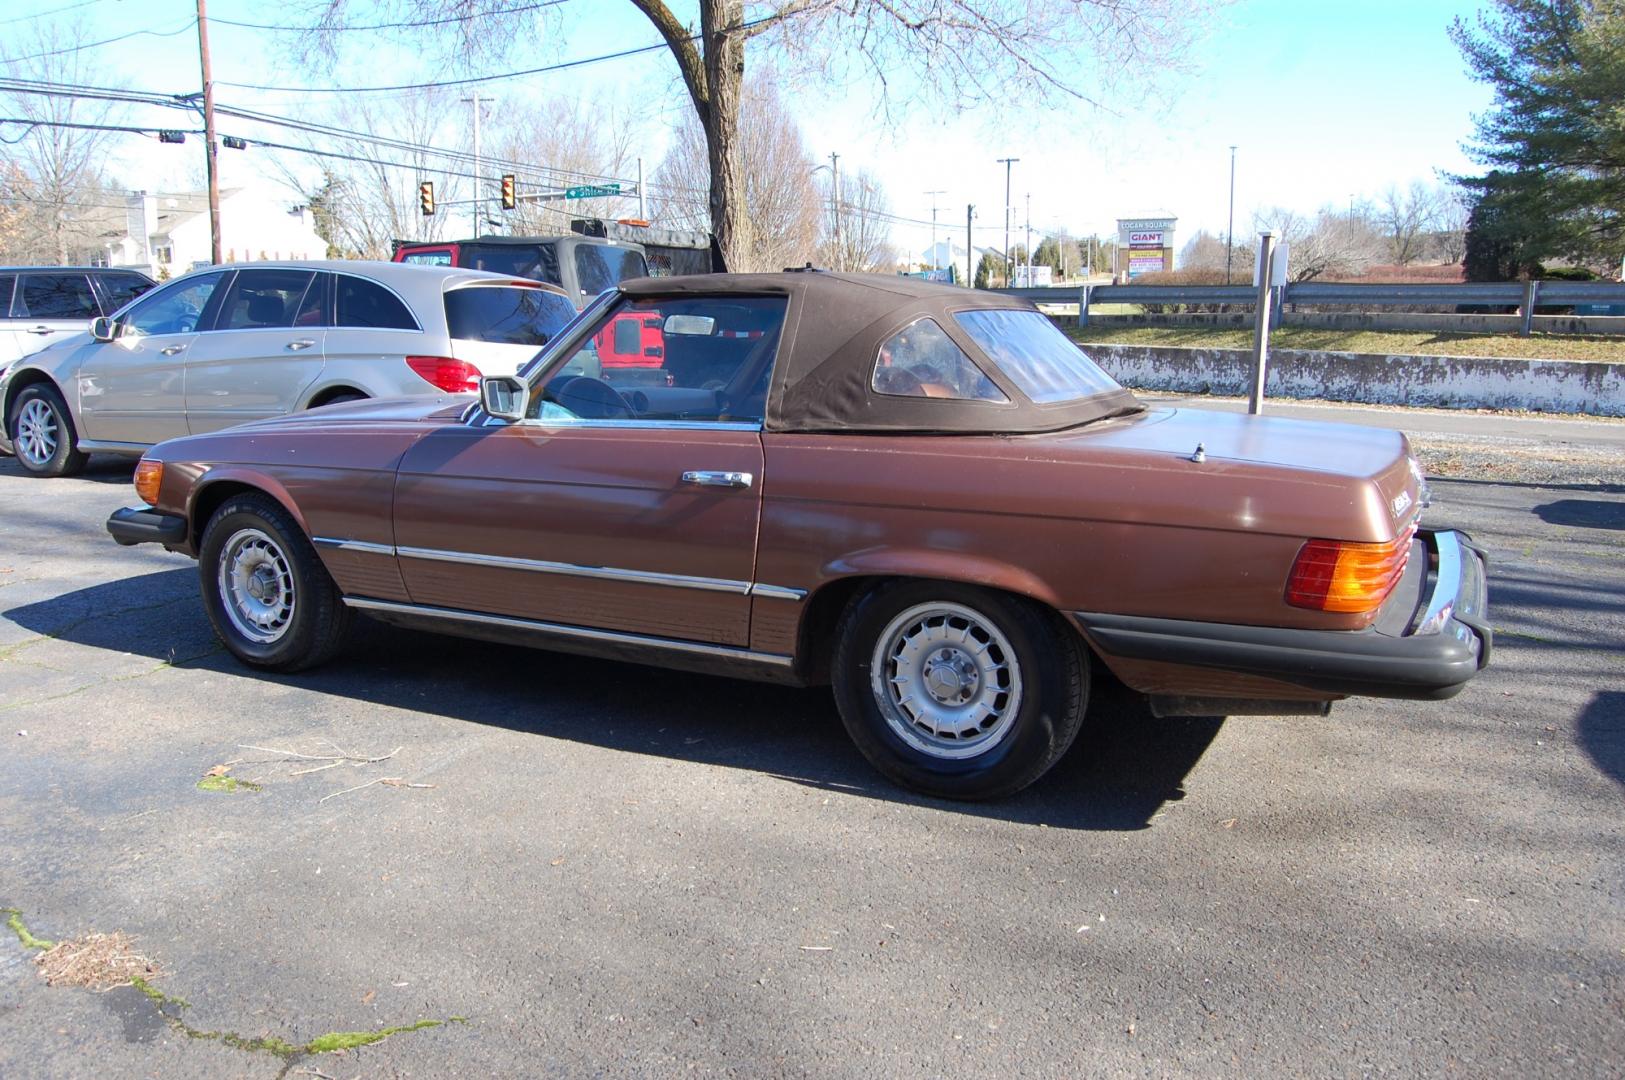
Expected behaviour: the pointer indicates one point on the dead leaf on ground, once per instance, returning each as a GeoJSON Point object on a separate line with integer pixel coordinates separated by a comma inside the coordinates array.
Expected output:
{"type": "Point", "coordinates": [366, 999]}
{"type": "Point", "coordinates": [218, 770]}
{"type": "Point", "coordinates": [1229, 823]}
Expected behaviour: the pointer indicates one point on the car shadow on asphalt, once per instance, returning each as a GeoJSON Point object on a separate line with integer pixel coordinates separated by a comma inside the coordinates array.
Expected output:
{"type": "Point", "coordinates": [1584, 513]}
{"type": "Point", "coordinates": [1125, 766]}
{"type": "Point", "coordinates": [101, 469]}
{"type": "Point", "coordinates": [1602, 733]}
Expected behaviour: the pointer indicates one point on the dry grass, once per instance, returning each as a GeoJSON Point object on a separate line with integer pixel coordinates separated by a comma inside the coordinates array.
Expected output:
{"type": "Point", "coordinates": [1380, 342]}
{"type": "Point", "coordinates": [96, 962]}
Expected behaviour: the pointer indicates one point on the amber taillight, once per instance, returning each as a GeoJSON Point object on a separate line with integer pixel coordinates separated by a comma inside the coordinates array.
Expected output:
{"type": "Point", "coordinates": [452, 376]}
{"type": "Point", "coordinates": [1337, 575]}
{"type": "Point", "coordinates": [148, 476]}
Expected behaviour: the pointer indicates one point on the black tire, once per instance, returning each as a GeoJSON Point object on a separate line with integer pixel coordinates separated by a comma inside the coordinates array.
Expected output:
{"type": "Point", "coordinates": [341, 399]}
{"type": "Point", "coordinates": [1050, 667]}
{"type": "Point", "coordinates": [312, 625]}
{"type": "Point", "coordinates": [42, 404]}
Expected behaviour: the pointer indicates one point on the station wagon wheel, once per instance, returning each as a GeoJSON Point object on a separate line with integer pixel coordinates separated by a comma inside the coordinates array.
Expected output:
{"type": "Point", "coordinates": [958, 691]}
{"type": "Point", "coordinates": [267, 594]}
{"type": "Point", "coordinates": [42, 434]}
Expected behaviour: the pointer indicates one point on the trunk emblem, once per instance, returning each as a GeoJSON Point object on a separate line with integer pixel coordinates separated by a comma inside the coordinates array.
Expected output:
{"type": "Point", "coordinates": [1401, 503]}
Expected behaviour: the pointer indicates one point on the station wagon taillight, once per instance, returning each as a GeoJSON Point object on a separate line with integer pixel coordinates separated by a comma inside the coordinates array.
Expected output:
{"type": "Point", "coordinates": [1337, 575]}
{"type": "Point", "coordinates": [450, 375]}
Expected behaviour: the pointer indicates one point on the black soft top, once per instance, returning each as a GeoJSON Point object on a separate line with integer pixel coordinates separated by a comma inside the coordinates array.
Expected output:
{"type": "Point", "coordinates": [833, 331]}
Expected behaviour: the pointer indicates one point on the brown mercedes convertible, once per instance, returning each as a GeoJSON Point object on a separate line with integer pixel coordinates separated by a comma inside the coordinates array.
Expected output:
{"type": "Point", "coordinates": [926, 496]}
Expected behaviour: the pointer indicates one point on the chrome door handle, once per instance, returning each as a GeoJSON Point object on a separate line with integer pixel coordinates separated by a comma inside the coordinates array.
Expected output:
{"type": "Point", "coordinates": [171, 350]}
{"type": "Point", "coordinates": [713, 478]}
{"type": "Point", "coordinates": [41, 330]}
{"type": "Point", "coordinates": [295, 346]}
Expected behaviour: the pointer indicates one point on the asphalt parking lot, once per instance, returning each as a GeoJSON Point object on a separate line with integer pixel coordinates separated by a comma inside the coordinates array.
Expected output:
{"type": "Point", "coordinates": [601, 869]}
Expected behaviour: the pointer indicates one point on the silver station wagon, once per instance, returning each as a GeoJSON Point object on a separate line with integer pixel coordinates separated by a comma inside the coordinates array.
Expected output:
{"type": "Point", "coordinates": [230, 344]}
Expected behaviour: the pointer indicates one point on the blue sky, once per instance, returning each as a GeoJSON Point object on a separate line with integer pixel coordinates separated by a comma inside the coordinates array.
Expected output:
{"type": "Point", "coordinates": [1325, 99]}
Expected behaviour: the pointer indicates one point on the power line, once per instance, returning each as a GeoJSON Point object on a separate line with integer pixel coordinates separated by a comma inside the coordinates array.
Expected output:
{"type": "Point", "coordinates": [381, 26]}
{"type": "Point", "coordinates": [32, 124]}
{"type": "Point", "coordinates": [53, 11]}
{"type": "Point", "coordinates": [566, 65]}
{"type": "Point", "coordinates": [96, 44]}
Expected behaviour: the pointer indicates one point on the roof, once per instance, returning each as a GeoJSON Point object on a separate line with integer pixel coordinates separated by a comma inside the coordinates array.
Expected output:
{"type": "Point", "coordinates": [418, 284]}
{"type": "Point", "coordinates": [833, 331]}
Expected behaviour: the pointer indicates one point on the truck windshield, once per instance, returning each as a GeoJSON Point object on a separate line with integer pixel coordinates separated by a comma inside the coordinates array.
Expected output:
{"type": "Point", "coordinates": [600, 267]}
{"type": "Point", "coordinates": [506, 315]}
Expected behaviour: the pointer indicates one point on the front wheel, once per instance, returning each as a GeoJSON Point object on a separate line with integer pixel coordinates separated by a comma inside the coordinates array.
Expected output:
{"type": "Point", "coordinates": [42, 434]}
{"type": "Point", "coordinates": [958, 691]}
{"type": "Point", "coordinates": [268, 596]}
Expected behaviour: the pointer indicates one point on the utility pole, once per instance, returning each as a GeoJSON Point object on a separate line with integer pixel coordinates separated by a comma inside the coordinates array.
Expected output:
{"type": "Point", "coordinates": [1007, 161]}
{"type": "Point", "coordinates": [1261, 322]}
{"type": "Point", "coordinates": [970, 273]}
{"type": "Point", "coordinates": [1029, 240]}
{"type": "Point", "coordinates": [210, 149]}
{"type": "Point", "coordinates": [935, 262]}
{"type": "Point", "coordinates": [479, 190]}
{"type": "Point", "coordinates": [835, 208]}
{"type": "Point", "coordinates": [1230, 229]}
{"type": "Point", "coordinates": [643, 206]}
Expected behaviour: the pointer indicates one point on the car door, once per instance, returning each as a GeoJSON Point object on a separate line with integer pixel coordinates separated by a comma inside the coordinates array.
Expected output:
{"type": "Point", "coordinates": [259, 356]}
{"type": "Point", "coordinates": [11, 347]}
{"type": "Point", "coordinates": [628, 506]}
{"type": "Point", "coordinates": [50, 306]}
{"type": "Point", "coordinates": [133, 389]}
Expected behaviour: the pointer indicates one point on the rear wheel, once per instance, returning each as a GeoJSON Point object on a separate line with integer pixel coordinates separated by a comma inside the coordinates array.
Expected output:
{"type": "Point", "coordinates": [958, 691]}
{"type": "Point", "coordinates": [42, 434]}
{"type": "Point", "coordinates": [270, 599]}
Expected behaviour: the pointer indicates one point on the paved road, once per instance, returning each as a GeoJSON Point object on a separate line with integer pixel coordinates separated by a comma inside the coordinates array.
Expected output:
{"type": "Point", "coordinates": [623, 872]}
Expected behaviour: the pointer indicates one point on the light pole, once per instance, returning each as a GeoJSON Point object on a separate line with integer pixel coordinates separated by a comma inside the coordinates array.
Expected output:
{"type": "Point", "coordinates": [1007, 161]}
{"type": "Point", "coordinates": [1230, 229]}
{"type": "Point", "coordinates": [479, 192]}
{"type": "Point", "coordinates": [934, 260]}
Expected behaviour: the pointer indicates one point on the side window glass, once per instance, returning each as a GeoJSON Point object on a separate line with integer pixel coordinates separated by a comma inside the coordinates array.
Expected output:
{"type": "Point", "coordinates": [367, 303]}
{"type": "Point", "coordinates": [7, 282]}
{"type": "Point", "coordinates": [593, 274]}
{"type": "Point", "coordinates": [174, 309]}
{"type": "Point", "coordinates": [316, 309]}
{"type": "Point", "coordinates": [921, 360]}
{"type": "Point", "coordinates": [55, 296]}
{"type": "Point", "coordinates": [263, 299]}
{"type": "Point", "coordinates": [699, 359]}
{"type": "Point", "coordinates": [120, 289]}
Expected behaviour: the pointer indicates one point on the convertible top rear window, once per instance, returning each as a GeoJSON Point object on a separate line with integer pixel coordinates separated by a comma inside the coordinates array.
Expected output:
{"type": "Point", "coordinates": [1042, 362]}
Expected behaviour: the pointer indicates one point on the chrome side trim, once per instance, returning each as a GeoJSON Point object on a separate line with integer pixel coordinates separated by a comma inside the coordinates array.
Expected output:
{"type": "Point", "coordinates": [1446, 587]}
{"type": "Point", "coordinates": [652, 425]}
{"type": "Point", "coordinates": [613, 637]}
{"type": "Point", "coordinates": [608, 573]}
{"type": "Point", "coordinates": [776, 592]}
{"type": "Point", "coordinates": [353, 545]}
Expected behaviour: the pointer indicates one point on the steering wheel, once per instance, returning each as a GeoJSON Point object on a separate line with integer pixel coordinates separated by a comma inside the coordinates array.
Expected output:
{"type": "Point", "coordinates": [589, 398]}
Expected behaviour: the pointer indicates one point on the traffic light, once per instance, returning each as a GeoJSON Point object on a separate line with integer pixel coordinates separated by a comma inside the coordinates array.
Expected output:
{"type": "Point", "coordinates": [509, 196]}
{"type": "Point", "coordinates": [426, 198]}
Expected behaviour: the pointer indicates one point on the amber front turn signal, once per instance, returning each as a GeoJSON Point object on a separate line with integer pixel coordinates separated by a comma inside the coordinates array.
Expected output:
{"type": "Point", "coordinates": [1336, 575]}
{"type": "Point", "coordinates": [148, 476]}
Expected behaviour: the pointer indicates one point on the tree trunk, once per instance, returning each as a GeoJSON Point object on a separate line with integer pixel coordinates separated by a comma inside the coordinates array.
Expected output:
{"type": "Point", "coordinates": [724, 50]}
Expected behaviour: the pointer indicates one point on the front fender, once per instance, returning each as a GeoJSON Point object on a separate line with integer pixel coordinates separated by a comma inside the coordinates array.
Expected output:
{"type": "Point", "coordinates": [202, 482]}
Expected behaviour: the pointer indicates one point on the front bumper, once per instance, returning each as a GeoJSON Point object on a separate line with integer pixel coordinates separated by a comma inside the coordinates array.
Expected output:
{"type": "Point", "coordinates": [144, 525]}
{"type": "Point", "coordinates": [1425, 644]}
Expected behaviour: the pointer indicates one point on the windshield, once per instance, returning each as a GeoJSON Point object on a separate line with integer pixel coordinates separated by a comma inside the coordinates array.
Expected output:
{"type": "Point", "coordinates": [602, 266]}
{"type": "Point", "coordinates": [507, 315]}
{"type": "Point", "coordinates": [1029, 348]}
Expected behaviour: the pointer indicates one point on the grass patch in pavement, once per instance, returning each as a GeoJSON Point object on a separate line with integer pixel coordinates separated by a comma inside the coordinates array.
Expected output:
{"type": "Point", "coordinates": [1380, 342]}
{"type": "Point", "coordinates": [105, 961]}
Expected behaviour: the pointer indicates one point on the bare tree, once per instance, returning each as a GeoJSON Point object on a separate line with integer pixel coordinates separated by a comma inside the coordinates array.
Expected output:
{"type": "Point", "coordinates": [864, 242]}
{"type": "Point", "coordinates": [1449, 240]}
{"type": "Point", "coordinates": [777, 171]}
{"type": "Point", "coordinates": [957, 52]}
{"type": "Point", "coordinates": [1325, 244]}
{"type": "Point", "coordinates": [54, 167]}
{"type": "Point", "coordinates": [369, 197]}
{"type": "Point", "coordinates": [566, 141]}
{"type": "Point", "coordinates": [1407, 216]}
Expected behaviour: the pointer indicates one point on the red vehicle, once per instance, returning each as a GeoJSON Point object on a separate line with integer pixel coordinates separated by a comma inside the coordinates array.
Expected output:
{"type": "Point", "coordinates": [632, 340]}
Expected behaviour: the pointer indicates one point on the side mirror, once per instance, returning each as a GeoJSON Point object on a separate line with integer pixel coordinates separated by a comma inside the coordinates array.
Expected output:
{"type": "Point", "coordinates": [503, 397]}
{"type": "Point", "coordinates": [104, 329]}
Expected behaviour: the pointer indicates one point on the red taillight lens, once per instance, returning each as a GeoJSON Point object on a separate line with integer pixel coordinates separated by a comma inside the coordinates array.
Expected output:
{"type": "Point", "coordinates": [452, 376]}
{"type": "Point", "coordinates": [1336, 575]}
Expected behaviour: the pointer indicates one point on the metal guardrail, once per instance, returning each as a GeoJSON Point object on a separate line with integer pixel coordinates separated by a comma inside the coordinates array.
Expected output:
{"type": "Point", "coordinates": [1524, 296]}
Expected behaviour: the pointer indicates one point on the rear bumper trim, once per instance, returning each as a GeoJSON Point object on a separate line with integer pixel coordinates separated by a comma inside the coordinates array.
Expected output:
{"type": "Point", "coordinates": [1450, 644]}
